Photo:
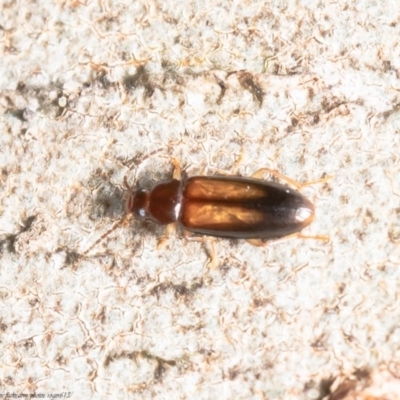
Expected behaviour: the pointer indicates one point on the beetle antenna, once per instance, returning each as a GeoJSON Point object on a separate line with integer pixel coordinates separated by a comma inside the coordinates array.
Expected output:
{"type": "Point", "coordinates": [104, 235]}
{"type": "Point", "coordinates": [128, 215]}
{"type": "Point", "coordinates": [126, 184]}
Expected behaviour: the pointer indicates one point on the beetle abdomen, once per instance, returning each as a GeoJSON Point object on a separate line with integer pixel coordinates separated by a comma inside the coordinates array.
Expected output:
{"type": "Point", "coordinates": [235, 207]}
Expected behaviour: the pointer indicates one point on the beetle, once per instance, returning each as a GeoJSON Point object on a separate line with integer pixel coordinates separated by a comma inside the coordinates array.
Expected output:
{"type": "Point", "coordinates": [232, 207]}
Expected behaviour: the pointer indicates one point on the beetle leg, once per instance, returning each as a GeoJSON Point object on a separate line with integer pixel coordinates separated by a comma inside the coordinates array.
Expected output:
{"type": "Point", "coordinates": [212, 262]}
{"type": "Point", "coordinates": [220, 171]}
{"type": "Point", "coordinates": [177, 174]}
{"type": "Point", "coordinates": [212, 255]}
{"type": "Point", "coordinates": [170, 230]}
{"type": "Point", "coordinates": [299, 235]}
{"type": "Point", "coordinates": [259, 174]}
{"type": "Point", "coordinates": [256, 242]}
{"type": "Point", "coordinates": [314, 237]}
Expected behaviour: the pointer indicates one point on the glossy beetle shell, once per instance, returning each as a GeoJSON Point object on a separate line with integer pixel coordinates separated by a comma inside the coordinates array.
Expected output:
{"type": "Point", "coordinates": [225, 206]}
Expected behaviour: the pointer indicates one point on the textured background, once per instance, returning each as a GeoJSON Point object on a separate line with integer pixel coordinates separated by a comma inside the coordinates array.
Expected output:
{"type": "Point", "coordinates": [91, 92]}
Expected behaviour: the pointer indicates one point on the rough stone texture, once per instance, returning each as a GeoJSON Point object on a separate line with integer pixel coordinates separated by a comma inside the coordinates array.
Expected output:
{"type": "Point", "coordinates": [92, 92]}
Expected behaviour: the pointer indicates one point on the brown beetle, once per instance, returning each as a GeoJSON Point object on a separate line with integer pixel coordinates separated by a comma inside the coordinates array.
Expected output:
{"type": "Point", "coordinates": [225, 206]}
